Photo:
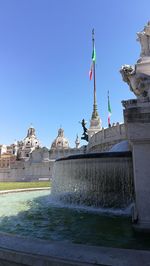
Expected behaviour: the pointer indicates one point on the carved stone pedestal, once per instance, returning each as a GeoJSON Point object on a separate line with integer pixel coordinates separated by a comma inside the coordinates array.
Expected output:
{"type": "Point", "coordinates": [137, 121]}
{"type": "Point", "coordinates": [95, 126]}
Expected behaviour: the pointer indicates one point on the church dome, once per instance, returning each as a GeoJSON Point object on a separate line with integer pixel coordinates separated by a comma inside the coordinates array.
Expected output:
{"type": "Point", "coordinates": [28, 145]}
{"type": "Point", "coordinates": [60, 142]}
{"type": "Point", "coordinates": [31, 141]}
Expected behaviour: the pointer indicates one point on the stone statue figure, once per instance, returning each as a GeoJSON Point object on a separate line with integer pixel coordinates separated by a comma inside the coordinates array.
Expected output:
{"type": "Point", "coordinates": [138, 76]}
{"type": "Point", "coordinates": [139, 83]}
{"type": "Point", "coordinates": [85, 134]}
{"type": "Point", "coordinates": [144, 39]}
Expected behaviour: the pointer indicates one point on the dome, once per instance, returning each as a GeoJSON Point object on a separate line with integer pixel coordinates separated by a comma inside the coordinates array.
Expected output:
{"type": "Point", "coordinates": [28, 145]}
{"type": "Point", "coordinates": [60, 142]}
{"type": "Point", "coordinates": [31, 140]}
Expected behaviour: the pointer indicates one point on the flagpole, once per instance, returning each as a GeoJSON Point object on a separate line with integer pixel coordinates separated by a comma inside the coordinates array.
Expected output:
{"type": "Point", "coordinates": [94, 78]}
{"type": "Point", "coordinates": [95, 122]}
{"type": "Point", "coordinates": [109, 110]}
{"type": "Point", "coordinates": [95, 112]}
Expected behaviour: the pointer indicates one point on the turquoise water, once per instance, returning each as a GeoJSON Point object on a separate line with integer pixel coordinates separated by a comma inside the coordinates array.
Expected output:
{"type": "Point", "coordinates": [36, 214]}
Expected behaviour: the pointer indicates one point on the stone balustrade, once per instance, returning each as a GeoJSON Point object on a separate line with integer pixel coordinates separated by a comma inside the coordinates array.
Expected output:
{"type": "Point", "coordinates": [106, 138]}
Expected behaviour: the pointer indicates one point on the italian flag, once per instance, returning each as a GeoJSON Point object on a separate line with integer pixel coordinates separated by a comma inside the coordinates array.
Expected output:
{"type": "Point", "coordinates": [93, 61]}
{"type": "Point", "coordinates": [109, 111]}
{"type": "Point", "coordinates": [91, 72]}
{"type": "Point", "coordinates": [94, 55]}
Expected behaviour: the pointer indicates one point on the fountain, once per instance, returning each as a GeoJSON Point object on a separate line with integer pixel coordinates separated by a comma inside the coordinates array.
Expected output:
{"type": "Point", "coordinates": [102, 179]}
{"type": "Point", "coordinates": [106, 181]}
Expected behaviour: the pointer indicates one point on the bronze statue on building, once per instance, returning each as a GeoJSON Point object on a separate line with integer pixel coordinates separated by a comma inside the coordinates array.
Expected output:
{"type": "Point", "coordinates": [85, 134]}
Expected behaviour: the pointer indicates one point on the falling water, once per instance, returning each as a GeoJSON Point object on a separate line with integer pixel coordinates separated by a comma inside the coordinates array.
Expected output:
{"type": "Point", "coordinates": [102, 180]}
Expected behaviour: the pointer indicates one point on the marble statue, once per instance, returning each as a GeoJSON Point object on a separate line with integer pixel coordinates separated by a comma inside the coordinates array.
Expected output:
{"type": "Point", "coordinates": [144, 39]}
{"type": "Point", "coordinates": [139, 83]}
{"type": "Point", "coordinates": [138, 76]}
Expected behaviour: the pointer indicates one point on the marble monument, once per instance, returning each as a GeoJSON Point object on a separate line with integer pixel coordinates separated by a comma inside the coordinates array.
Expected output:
{"type": "Point", "coordinates": [137, 122]}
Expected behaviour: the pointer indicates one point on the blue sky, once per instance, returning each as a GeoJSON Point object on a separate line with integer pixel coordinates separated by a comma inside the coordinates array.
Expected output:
{"type": "Point", "coordinates": [45, 57]}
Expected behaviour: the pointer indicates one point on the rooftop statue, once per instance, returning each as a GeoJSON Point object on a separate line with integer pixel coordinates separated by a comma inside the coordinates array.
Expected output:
{"type": "Point", "coordinates": [138, 76]}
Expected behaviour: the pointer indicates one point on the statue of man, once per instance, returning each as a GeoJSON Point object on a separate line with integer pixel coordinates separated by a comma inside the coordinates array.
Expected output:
{"type": "Point", "coordinates": [147, 28]}
{"type": "Point", "coordinates": [144, 39]}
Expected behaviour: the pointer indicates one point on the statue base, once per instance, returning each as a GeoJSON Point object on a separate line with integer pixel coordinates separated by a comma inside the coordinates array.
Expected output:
{"type": "Point", "coordinates": [95, 126]}
{"type": "Point", "coordinates": [137, 121]}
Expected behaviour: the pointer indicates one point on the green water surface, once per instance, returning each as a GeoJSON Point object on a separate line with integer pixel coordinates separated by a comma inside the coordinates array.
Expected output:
{"type": "Point", "coordinates": [34, 214]}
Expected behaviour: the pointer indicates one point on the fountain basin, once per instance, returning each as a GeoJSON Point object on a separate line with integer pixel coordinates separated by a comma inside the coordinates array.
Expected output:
{"type": "Point", "coordinates": [38, 215]}
{"type": "Point", "coordinates": [96, 179]}
{"type": "Point", "coordinates": [69, 230]}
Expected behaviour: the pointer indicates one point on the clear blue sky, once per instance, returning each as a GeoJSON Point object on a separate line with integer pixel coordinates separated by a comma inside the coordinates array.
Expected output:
{"type": "Point", "coordinates": [45, 56]}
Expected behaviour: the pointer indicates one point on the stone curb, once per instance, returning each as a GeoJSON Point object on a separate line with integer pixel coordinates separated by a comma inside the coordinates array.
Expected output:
{"type": "Point", "coordinates": [16, 250]}
{"type": "Point", "coordinates": [23, 190]}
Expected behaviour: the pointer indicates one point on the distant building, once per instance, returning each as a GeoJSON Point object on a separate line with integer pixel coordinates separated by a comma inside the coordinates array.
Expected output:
{"type": "Point", "coordinates": [26, 160]}
{"type": "Point", "coordinates": [60, 146]}
{"type": "Point", "coordinates": [3, 149]}
{"type": "Point", "coordinates": [6, 160]}
{"type": "Point", "coordinates": [60, 142]}
{"type": "Point", "coordinates": [28, 145]}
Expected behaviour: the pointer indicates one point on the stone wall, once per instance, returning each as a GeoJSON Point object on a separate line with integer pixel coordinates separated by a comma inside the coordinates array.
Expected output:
{"type": "Point", "coordinates": [106, 138]}
{"type": "Point", "coordinates": [59, 153]}
{"type": "Point", "coordinates": [38, 167]}
{"type": "Point", "coordinates": [24, 171]}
